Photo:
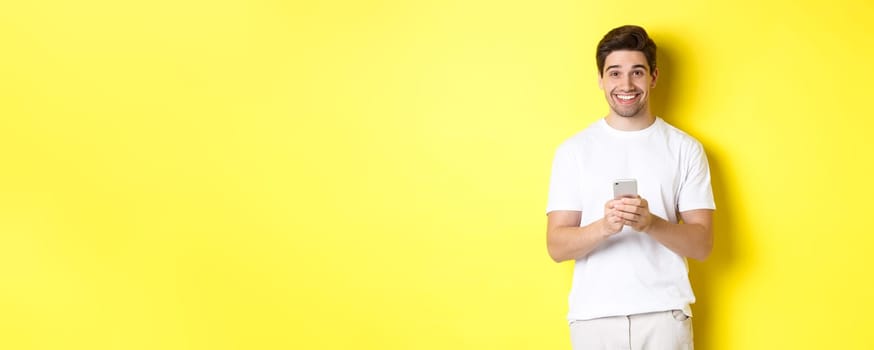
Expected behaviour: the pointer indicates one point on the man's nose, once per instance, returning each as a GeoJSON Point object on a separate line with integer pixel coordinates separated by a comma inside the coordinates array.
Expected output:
{"type": "Point", "coordinates": [626, 83]}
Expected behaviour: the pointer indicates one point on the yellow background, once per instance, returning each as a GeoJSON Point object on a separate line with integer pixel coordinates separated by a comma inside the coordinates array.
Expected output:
{"type": "Point", "coordinates": [257, 174]}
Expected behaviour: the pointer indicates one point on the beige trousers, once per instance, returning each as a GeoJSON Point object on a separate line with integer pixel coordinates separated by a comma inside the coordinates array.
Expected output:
{"type": "Point", "coordinates": [665, 330]}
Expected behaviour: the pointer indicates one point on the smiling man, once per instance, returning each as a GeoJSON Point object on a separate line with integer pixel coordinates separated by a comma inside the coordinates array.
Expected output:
{"type": "Point", "coordinates": [630, 287]}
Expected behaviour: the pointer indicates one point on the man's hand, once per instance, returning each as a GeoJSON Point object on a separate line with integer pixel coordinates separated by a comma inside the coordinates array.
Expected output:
{"type": "Point", "coordinates": [613, 220]}
{"type": "Point", "coordinates": [631, 211]}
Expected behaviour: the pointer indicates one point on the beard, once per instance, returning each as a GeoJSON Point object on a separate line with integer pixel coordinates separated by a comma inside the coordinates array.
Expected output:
{"type": "Point", "coordinates": [627, 111]}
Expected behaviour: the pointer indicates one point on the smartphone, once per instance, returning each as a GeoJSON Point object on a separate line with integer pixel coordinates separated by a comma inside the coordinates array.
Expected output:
{"type": "Point", "coordinates": [624, 188]}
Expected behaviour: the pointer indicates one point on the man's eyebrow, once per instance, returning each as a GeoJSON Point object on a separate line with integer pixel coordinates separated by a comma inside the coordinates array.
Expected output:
{"type": "Point", "coordinates": [632, 67]}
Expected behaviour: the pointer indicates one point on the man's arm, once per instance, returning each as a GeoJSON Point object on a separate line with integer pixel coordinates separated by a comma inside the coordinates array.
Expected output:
{"type": "Point", "coordinates": [566, 240]}
{"type": "Point", "coordinates": [693, 238]}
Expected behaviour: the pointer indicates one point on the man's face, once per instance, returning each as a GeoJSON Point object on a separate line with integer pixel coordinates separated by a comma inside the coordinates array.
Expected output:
{"type": "Point", "coordinates": [626, 82]}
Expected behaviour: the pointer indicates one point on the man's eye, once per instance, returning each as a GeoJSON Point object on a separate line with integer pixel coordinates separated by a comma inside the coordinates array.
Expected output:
{"type": "Point", "coordinates": [614, 74]}
{"type": "Point", "coordinates": [638, 73]}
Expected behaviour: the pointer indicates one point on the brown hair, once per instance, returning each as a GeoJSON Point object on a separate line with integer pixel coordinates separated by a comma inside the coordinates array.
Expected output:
{"type": "Point", "coordinates": [629, 37]}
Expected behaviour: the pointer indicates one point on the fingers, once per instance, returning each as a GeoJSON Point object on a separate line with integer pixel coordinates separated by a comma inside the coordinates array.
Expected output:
{"type": "Point", "coordinates": [635, 201]}
{"type": "Point", "coordinates": [613, 216]}
{"type": "Point", "coordinates": [629, 211]}
{"type": "Point", "coordinates": [629, 216]}
{"type": "Point", "coordinates": [625, 211]}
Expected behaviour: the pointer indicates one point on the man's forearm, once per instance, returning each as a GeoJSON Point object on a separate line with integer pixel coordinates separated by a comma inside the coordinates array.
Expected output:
{"type": "Point", "coordinates": [571, 243]}
{"type": "Point", "coordinates": [686, 239]}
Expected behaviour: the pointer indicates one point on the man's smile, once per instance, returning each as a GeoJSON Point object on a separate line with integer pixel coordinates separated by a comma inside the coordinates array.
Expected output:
{"type": "Point", "coordinates": [626, 98]}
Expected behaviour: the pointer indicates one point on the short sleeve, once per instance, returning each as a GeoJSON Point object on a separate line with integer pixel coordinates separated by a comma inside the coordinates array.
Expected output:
{"type": "Point", "coordinates": [695, 189]}
{"type": "Point", "coordinates": [564, 184]}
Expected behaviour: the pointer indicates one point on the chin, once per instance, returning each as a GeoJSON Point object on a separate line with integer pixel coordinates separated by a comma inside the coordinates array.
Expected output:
{"type": "Point", "coordinates": [632, 114]}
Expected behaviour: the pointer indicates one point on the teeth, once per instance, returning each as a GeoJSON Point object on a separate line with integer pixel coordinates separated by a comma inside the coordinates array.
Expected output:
{"type": "Point", "coordinates": [625, 97]}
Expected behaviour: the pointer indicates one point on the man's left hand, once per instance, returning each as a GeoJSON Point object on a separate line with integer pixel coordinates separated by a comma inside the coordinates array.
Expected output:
{"type": "Point", "coordinates": [635, 213]}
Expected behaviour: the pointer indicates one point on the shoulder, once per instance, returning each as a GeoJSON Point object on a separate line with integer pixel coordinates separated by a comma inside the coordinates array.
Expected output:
{"type": "Point", "coordinates": [580, 140]}
{"type": "Point", "coordinates": [680, 137]}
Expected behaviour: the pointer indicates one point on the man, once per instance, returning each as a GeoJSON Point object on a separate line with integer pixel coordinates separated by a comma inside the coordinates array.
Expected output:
{"type": "Point", "coordinates": [631, 287]}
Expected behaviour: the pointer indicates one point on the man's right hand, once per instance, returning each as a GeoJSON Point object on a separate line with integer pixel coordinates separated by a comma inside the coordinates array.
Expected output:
{"type": "Point", "coordinates": [612, 222]}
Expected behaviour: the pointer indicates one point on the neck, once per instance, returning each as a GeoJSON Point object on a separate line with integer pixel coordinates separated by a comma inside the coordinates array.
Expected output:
{"type": "Point", "coordinates": [638, 122]}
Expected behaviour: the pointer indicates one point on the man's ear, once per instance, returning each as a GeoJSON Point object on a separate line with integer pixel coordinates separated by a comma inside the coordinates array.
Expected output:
{"type": "Point", "coordinates": [601, 81]}
{"type": "Point", "coordinates": [655, 77]}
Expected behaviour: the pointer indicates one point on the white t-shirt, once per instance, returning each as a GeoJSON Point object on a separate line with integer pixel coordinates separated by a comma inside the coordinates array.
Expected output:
{"type": "Point", "coordinates": [630, 273]}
